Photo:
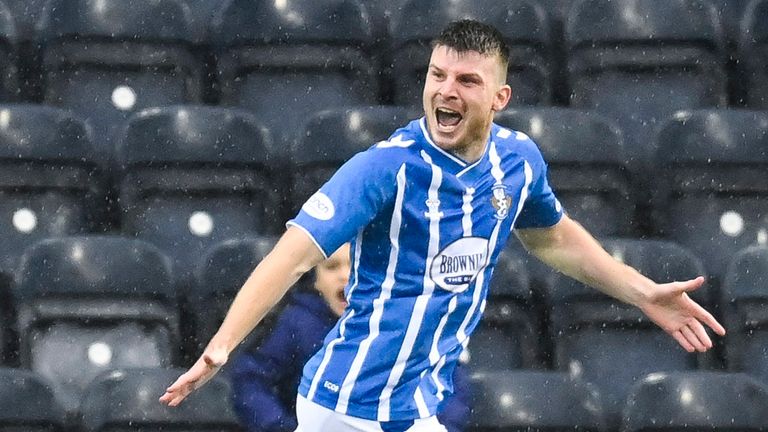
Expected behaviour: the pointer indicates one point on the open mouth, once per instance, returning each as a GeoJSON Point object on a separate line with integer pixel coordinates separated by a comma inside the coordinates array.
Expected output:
{"type": "Point", "coordinates": [447, 118]}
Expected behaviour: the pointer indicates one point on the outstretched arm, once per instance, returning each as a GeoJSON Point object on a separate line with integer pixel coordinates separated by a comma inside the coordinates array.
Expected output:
{"type": "Point", "coordinates": [293, 255]}
{"type": "Point", "coordinates": [569, 248]}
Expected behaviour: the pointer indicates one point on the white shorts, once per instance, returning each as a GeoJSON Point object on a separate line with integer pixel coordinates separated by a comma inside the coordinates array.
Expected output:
{"type": "Point", "coordinates": [316, 418]}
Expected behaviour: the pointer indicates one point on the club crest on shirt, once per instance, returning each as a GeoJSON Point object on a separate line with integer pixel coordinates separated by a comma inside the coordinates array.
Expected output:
{"type": "Point", "coordinates": [501, 201]}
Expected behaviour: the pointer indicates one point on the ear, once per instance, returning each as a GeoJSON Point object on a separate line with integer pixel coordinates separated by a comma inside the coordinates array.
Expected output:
{"type": "Point", "coordinates": [501, 98]}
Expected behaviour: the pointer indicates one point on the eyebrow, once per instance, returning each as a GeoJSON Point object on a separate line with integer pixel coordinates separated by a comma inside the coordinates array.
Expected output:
{"type": "Point", "coordinates": [470, 75]}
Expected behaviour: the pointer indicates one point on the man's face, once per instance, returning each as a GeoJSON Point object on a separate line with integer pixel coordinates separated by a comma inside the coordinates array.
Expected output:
{"type": "Point", "coordinates": [331, 277]}
{"type": "Point", "coordinates": [461, 94]}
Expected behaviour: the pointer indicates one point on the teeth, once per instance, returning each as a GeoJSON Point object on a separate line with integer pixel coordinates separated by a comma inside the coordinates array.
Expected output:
{"type": "Point", "coordinates": [447, 111]}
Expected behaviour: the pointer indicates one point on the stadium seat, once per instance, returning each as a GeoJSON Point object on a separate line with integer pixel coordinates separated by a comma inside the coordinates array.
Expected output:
{"type": "Point", "coordinates": [9, 57]}
{"type": "Point", "coordinates": [106, 59]}
{"type": "Point", "coordinates": [221, 273]}
{"type": "Point", "coordinates": [509, 335]}
{"type": "Point", "coordinates": [639, 61]}
{"type": "Point", "coordinates": [524, 25]}
{"type": "Point", "coordinates": [753, 54]}
{"type": "Point", "coordinates": [126, 400]}
{"type": "Point", "coordinates": [745, 312]}
{"type": "Point", "coordinates": [731, 12]}
{"type": "Point", "coordinates": [28, 403]}
{"type": "Point", "coordinates": [193, 176]}
{"type": "Point", "coordinates": [93, 303]}
{"type": "Point", "coordinates": [513, 401]}
{"type": "Point", "coordinates": [7, 313]}
{"type": "Point", "coordinates": [696, 401]}
{"type": "Point", "coordinates": [611, 344]}
{"type": "Point", "coordinates": [586, 158]}
{"type": "Point", "coordinates": [286, 61]}
{"type": "Point", "coordinates": [49, 186]}
{"type": "Point", "coordinates": [714, 193]}
{"type": "Point", "coordinates": [331, 137]}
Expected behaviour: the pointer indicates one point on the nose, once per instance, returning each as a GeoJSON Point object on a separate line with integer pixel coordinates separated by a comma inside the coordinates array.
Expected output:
{"type": "Point", "coordinates": [448, 88]}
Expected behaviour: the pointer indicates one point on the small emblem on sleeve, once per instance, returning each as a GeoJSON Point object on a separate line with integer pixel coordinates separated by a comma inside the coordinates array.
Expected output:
{"type": "Point", "coordinates": [501, 201]}
{"type": "Point", "coordinates": [319, 206]}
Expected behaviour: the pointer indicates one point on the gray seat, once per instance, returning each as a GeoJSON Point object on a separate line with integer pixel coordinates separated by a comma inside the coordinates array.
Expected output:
{"type": "Point", "coordinates": [753, 51]}
{"type": "Point", "coordinates": [28, 403]}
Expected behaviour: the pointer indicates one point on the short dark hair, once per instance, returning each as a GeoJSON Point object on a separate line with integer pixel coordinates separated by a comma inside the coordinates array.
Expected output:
{"type": "Point", "coordinates": [470, 35]}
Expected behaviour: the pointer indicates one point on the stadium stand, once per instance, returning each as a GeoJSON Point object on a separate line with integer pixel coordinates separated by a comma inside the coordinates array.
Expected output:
{"type": "Point", "coordinates": [192, 176]}
{"type": "Point", "coordinates": [753, 54]}
{"type": "Point", "coordinates": [106, 59]}
{"type": "Point", "coordinates": [745, 315]}
{"type": "Point", "coordinates": [221, 273]}
{"type": "Point", "coordinates": [587, 167]}
{"type": "Point", "coordinates": [639, 61]}
{"type": "Point", "coordinates": [610, 344]}
{"type": "Point", "coordinates": [510, 334]}
{"type": "Point", "coordinates": [524, 25]}
{"type": "Point", "coordinates": [287, 60]}
{"type": "Point", "coordinates": [125, 400]}
{"type": "Point", "coordinates": [28, 403]}
{"type": "Point", "coordinates": [534, 401]}
{"type": "Point", "coordinates": [712, 401]}
{"type": "Point", "coordinates": [10, 89]}
{"type": "Point", "coordinates": [93, 303]}
{"type": "Point", "coordinates": [711, 167]}
{"type": "Point", "coordinates": [350, 130]}
{"type": "Point", "coordinates": [50, 185]}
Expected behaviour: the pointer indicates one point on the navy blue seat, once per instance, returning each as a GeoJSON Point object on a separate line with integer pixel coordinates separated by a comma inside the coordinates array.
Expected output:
{"type": "Point", "coordinates": [28, 403]}
{"type": "Point", "coordinates": [50, 185]}
{"type": "Point", "coordinates": [523, 24]}
{"type": "Point", "coordinates": [193, 176]}
{"type": "Point", "coordinates": [126, 400]}
{"type": "Point", "coordinates": [220, 274]}
{"type": "Point", "coordinates": [93, 303]}
{"type": "Point", "coordinates": [106, 59]}
{"type": "Point", "coordinates": [639, 61]}
{"type": "Point", "coordinates": [286, 61]}
{"type": "Point", "coordinates": [333, 136]}
{"type": "Point", "coordinates": [712, 164]}
{"type": "Point", "coordinates": [10, 89]}
{"type": "Point", "coordinates": [587, 165]}
{"type": "Point", "coordinates": [509, 335]}
{"type": "Point", "coordinates": [745, 312]}
{"type": "Point", "coordinates": [702, 401]}
{"type": "Point", "coordinates": [517, 401]}
{"type": "Point", "coordinates": [753, 54]}
{"type": "Point", "coordinates": [611, 344]}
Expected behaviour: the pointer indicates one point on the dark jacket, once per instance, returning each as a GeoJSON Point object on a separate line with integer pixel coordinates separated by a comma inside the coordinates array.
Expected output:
{"type": "Point", "coordinates": [265, 378]}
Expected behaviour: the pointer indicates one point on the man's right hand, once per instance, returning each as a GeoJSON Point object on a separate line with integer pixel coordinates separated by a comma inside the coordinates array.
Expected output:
{"type": "Point", "coordinates": [203, 370]}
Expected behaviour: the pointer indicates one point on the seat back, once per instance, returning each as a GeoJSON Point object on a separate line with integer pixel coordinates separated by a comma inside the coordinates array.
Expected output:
{"type": "Point", "coordinates": [696, 401]}
{"type": "Point", "coordinates": [713, 165]}
{"type": "Point", "coordinates": [523, 24]}
{"type": "Point", "coordinates": [125, 400]}
{"type": "Point", "coordinates": [753, 50]}
{"type": "Point", "coordinates": [92, 303]}
{"type": "Point", "coordinates": [286, 62]}
{"type": "Point", "coordinates": [10, 88]}
{"type": "Point", "coordinates": [106, 59]}
{"type": "Point", "coordinates": [220, 275]}
{"type": "Point", "coordinates": [193, 176]}
{"type": "Point", "coordinates": [50, 186]}
{"type": "Point", "coordinates": [331, 137]}
{"type": "Point", "coordinates": [28, 403]}
{"type": "Point", "coordinates": [745, 301]}
{"type": "Point", "coordinates": [639, 61]}
{"type": "Point", "coordinates": [611, 344]}
{"type": "Point", "coordinates": [534, 401]}
{"type": "Point", "coordinates": [586, 162]}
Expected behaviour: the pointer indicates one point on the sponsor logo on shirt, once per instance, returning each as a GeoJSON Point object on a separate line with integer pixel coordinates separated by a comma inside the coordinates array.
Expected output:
{"type": "Point", "coordinates": [319, 206]}
{"type": "Point", "coordinates": [459, 263]}
{"type": "Point", "coordinates": [501, 201]}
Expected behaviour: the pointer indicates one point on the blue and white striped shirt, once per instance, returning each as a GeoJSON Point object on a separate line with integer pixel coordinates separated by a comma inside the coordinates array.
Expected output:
{"type": "Point", "coordinates": [426, 229]}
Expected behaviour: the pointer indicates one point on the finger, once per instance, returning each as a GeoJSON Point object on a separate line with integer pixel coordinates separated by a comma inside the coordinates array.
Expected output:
{"type": "Point", "coordinates": [690, 285]}
{"type": "Point", "coordinates": [701, 334]}
{"type": "Point", "coordinates": [704, 316]}
{"type": "Point", "coordinates": [690, 336]}
{"type": "Point", "coordinates": [682, 341]}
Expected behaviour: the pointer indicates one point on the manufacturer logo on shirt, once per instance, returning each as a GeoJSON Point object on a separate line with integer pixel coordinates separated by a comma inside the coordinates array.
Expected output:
{"type": "Point", "coordinates": [319, 206]}
{"type": "Point", "coordinates": [459, 263]}
{"type": "Point", "coordinates": [501, 201]}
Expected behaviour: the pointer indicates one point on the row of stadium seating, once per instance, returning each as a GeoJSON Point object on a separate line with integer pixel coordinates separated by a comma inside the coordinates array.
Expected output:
{"type": "Point", "coordinates": [80, 306]}
{"type": "Point", "coordinates": [187, 177]}
{"type": "Point", "coordinates": [637, 61]}
{"type": "Point", "coordinates": [125, 399]}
